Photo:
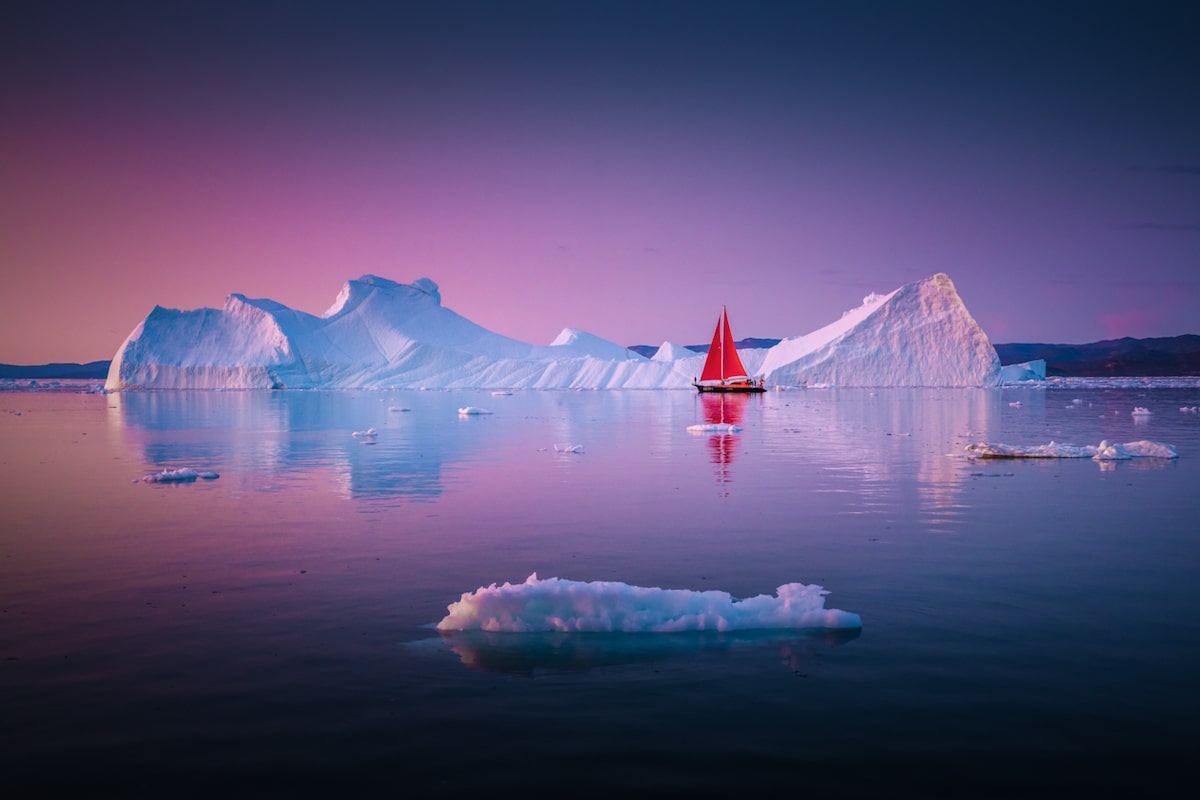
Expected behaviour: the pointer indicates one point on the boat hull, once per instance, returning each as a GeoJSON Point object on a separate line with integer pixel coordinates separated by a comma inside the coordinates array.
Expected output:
{"type": "Point", "coordinates": [743, 387]}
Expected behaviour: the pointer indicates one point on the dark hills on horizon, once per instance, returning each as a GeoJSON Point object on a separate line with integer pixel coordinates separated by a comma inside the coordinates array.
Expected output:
{"type": "Point", "coordinates": [1117, 358]}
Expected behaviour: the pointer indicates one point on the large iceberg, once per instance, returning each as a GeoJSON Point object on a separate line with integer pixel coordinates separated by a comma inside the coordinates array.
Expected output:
{"type": "Point", "coordinates": [382, 334]}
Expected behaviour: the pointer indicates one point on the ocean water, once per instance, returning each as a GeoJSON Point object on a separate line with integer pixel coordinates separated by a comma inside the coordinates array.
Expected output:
{"type": "Point", "coordinates": [1030, 626]}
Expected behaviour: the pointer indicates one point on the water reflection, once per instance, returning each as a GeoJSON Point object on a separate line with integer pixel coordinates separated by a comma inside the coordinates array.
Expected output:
{"type": "Point", "coordinates": [723, 409]}
{"type": "Point", "coordinates": [531, 653]}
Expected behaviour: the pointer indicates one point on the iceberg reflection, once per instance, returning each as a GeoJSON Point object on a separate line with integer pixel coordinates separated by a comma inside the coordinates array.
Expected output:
{"type": "Point", "coordinates": [553, 651]}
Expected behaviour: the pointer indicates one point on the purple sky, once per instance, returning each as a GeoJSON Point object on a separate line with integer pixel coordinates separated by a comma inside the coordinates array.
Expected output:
{"type": "Point", "coordinates": [622, 168]}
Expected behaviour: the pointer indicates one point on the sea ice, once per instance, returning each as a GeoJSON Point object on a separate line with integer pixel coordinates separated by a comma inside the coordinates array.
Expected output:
{"type": "Point", "coordinates": [568, 448]}
{"type": "Point", "coordinates": [554, 604]}
{"type": "Point", "coordinates": [181, 475]}
{"type": "Point", "coordinates": [1105, 451]}
{"type": "Point", "coordinates": [1138, 411]}
{"type": "Point", "coordinates": [467, 411]}
{"type": "Point", "coordinates": [714, 427]}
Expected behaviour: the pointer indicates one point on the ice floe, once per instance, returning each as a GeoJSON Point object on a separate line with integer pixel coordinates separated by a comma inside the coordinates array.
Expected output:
{"type": "Point", "coordinates": [1105, 451]}
{"type": "Point", "coordinates": [181, 475]}
{"type": "Point", "coordinates": [714, 427]}
{"type": "Point", "coordinates": [554, 604]}
{"type": "Point", "coordinates": [468, 411]}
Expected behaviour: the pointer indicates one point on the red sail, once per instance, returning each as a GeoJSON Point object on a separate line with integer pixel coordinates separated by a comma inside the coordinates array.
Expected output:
{"type": "Point", "coordinates": [731, 365]}
{"type": "Point", "coordinates": [722, 362]}
{"type": "Point", "coordinates": [712, 365]}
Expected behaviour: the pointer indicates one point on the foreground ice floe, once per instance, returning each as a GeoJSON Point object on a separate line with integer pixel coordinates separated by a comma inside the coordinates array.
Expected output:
{"type": "Point", "coordinates": [554, 604]}
{"type": "Point", "coordinates": [181, 475]}
{"type": "Point", "coordinates": [468, 411]}
{"type": "Point", "coordinates": [1105, 451]}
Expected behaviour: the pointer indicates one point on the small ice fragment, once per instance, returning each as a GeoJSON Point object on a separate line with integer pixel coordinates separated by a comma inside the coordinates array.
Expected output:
{"type": "Point", "coordinates": [501, 394]}
{"type": "Point", "coordinates": [472, 411]}
{"type": "Point", "coordinates": [568, 448]}
{"type": "Point", "coordinates": [1138, 411]}
{"type": "Point", "coordinates": [181, 475]}
{"type": "Point", "coordinates": [368, 433]}
{"type": "Point", "coordinates": [398, 408]}
{"type": "Point", "coordinates": [714, 427]}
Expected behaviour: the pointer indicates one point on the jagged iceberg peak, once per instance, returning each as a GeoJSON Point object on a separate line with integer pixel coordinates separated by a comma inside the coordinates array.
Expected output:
{"type": "Point", "coordinates": [581, 343]}
{"type": "Point", "coordinates": [670, 351]}
{"type": "Point", "coordinates": [383, 334]}
{"type": "Point", "coordinates": [919, 335]}
{"type": "Point", "coordinates": [355, 291]}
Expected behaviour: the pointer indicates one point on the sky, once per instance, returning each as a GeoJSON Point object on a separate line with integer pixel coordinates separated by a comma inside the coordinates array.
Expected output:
{"type": "Point", "coordinates": [617, 167]}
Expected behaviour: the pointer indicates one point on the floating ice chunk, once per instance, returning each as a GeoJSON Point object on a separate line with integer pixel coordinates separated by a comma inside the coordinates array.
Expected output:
{"type": "Point", "coordinates": [1015, 404]}
{"type": "Point", "coordinates": [1190, 409]}
{"type": "Point", "coordinates": [181, 475]}
{"type": "Point", "coordinates": [398, 408]}
{"type": "Point", "coordinates": [501, 394]}
{"type": "Point", "coordinates": [568, 448]}
{"type": "Point", "coordinates": [610, 606]}
{"type": "Point", "coordinates": [1138, 411]}
{"type": "Point", "coordinates": [467, 411]}
{"type": "Point", "coordinates": [1105, 451]}
{"type": "Point", "coordinates": [369, 433]}
{"type": "Point", "coordinates": [714, 427]}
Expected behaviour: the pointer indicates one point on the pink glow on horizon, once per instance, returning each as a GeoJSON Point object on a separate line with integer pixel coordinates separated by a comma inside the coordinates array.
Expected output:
{"type": "Point", "coordinates": [629, 194]}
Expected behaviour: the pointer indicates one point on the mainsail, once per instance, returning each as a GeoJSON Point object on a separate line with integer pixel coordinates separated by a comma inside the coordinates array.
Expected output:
{"type": "Point", "coordinates": [722, 363]}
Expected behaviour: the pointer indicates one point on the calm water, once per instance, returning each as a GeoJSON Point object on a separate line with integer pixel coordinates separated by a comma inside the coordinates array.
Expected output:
{"type": "Point", "coordinates": [1028, 626]}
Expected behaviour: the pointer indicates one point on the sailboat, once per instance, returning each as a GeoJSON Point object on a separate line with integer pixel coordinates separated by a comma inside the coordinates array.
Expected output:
{"type": "Point", "coordinates": [723, 370]}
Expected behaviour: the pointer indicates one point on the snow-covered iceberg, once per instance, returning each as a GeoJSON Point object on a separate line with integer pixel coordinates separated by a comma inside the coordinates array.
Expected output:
{"type": "Point", "coordinates": [382, 334]}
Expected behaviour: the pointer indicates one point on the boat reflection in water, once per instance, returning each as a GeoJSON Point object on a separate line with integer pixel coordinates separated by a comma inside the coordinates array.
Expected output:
{"type": "Point", "coordinates": [723, 414]}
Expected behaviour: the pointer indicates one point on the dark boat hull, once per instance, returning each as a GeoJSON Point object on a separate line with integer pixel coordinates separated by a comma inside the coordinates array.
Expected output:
{"type": "Point", "coordinates": [730, 387]}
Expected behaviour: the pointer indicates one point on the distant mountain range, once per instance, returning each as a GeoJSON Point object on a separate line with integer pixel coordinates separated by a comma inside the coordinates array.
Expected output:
{"type": "Point", "coordinates": [1128, 357]}
{"type": "Point", "coordinates": [96, 369]}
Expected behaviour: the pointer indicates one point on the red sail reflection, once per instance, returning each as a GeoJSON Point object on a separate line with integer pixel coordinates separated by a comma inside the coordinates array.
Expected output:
{"type": "Point", "coordinates": [723, 409]}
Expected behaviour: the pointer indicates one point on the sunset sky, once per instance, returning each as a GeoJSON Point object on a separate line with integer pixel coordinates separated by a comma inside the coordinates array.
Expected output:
{"type": "Point", "coordinates": [620, 167]}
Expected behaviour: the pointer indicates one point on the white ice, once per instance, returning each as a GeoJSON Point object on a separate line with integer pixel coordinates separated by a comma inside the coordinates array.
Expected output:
{"type": "Point", "coordinates": [1105, 451]}
{"type": "Point", "coordinates": [568, 448]}
{"type": "Point", "coordinates": [381, 334]}
{"type": "Point", "coordinates": [468, 411]}
{"type": "Point", "coordinates": [554, 604]}
{"type": "Point", "coordinates": [713, 427]}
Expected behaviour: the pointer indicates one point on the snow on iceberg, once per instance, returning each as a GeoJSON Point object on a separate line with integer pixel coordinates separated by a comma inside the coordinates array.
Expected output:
{"type": "Point", "coordinates": [919, 335]}
{"type": "Point", "coordinates": [382, 334]}
{"type": "Point", "coordinates": [1105, 451]}
{"type": "Point", "coordinates": [554, 604]}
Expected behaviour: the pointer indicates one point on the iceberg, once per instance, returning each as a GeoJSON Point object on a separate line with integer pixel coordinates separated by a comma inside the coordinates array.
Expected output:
{"type": "Point", "coordinates": [561, 605]}
{"type": "Point", "coordinates": [381, 334]}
